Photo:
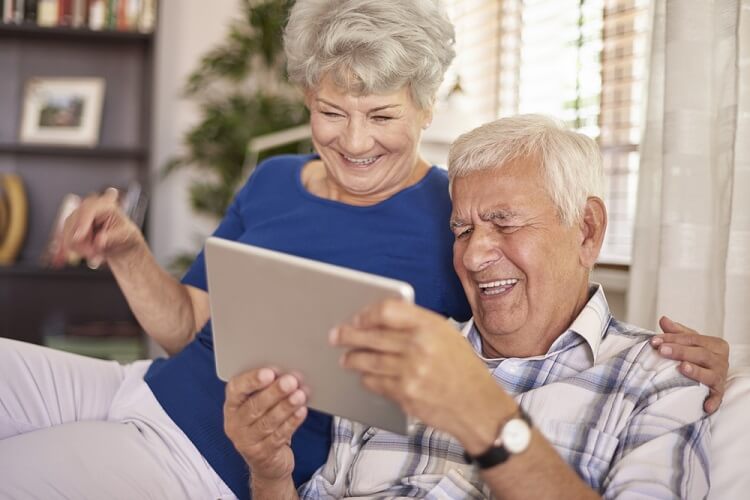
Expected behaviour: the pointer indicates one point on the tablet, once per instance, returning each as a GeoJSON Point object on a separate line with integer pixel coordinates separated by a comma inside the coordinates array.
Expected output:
{"type": "Point", "coordinates": [271, 308]}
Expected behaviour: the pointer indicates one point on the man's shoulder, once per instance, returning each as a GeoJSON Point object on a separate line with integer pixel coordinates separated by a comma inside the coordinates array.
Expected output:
{"type": "Point", "coordinates": [628, 346]}
{"type": "Point", "coordinates": [620, 335]}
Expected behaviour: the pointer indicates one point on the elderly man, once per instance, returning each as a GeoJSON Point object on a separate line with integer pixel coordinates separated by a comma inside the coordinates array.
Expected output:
{"type": "Point", "coordinates": [545, 395]}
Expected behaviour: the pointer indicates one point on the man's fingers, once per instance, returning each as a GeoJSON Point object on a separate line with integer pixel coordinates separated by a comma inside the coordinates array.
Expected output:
{"type": "Point", "coordinates": [383, 386]}
{"type": "Point", "coordinates": [373, 339]}
{"type": "Point", "coordinates": [391, 313]}
{"type": "Point", "coordinates": [372, 362]}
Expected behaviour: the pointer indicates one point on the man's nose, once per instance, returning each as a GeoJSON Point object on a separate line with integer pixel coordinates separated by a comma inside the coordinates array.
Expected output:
{"type": "Point", "coordinates": [357, 139]}
{"type": "Point", "coordinates": [482, 251]}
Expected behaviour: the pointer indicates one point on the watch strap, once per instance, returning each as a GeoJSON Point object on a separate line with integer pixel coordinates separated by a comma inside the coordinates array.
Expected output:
{"type": "Point", "coordinates": [496, 454]}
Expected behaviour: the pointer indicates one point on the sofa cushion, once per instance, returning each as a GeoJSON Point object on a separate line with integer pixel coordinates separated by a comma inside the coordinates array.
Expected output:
{"type": "Point", "coordinates": [730, 441]}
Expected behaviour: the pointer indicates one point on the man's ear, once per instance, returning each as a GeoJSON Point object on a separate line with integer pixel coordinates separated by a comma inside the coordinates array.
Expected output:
{"type": "Point", "coordinates": [593, 226]}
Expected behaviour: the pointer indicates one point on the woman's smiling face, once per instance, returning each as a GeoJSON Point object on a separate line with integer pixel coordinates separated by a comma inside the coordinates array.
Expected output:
{"type": "Point", "coordinates": [369, 144]}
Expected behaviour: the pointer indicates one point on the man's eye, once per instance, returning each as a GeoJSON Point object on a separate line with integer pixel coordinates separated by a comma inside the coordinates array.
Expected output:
{"type": "Point", "coordinates": [508, 229]}
{"type": "Point", "coordinates": [330, 114]}
{"type": "Point", "coordinates": [462, 233]}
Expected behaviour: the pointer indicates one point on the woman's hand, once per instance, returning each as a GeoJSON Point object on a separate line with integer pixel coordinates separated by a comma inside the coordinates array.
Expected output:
{"type": "Point", "coordinates": [704, 359]}
{"type": "Point", "coordinates": [98, 230]}
{"type": "Point", "coordinates": [261, 412]}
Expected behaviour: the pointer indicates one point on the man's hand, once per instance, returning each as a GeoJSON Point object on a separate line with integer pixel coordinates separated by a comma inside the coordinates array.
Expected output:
{"type": "Point", "coordinates": [704, 359]}
{"type": "Point", "coordinates": [418, 359]}
{"type": "Point", "coordinates": [261, 412]}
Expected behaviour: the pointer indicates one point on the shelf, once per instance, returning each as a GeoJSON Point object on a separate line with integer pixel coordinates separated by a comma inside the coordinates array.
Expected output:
{"type": "Point", "coordinates": [29, 30]}
{"type": "Point", "coordinates": [36, 271]}
{"type": "Point", "coordinates": [77, 151]}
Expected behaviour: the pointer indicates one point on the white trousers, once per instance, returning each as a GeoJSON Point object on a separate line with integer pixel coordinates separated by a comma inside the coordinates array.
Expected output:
{"type": "Point", "coordinates": [73, 427]}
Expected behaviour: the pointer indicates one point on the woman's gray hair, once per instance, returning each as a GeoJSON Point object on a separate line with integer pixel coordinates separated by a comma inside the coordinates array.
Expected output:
{"type": "Point", "coordinates": [370, 46]}
{"type": "Point", "coordinates": [571, 162]}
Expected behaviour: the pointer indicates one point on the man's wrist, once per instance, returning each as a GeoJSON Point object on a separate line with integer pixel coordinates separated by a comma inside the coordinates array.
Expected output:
{"type": "Point", "coordinates": [480, 429]}
{"type": "Point", "coordinates": [514, 437]}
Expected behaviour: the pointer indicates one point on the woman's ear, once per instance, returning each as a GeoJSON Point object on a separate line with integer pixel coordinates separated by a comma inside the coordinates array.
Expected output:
{"type": "Point", "coordinates": [593, 225]}
{"type": "Point", "coordinates": [427, 114]}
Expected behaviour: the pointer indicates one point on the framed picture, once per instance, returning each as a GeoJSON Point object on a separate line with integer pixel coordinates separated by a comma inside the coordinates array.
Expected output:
{"type": "Point", "coordinates": [62, 111]}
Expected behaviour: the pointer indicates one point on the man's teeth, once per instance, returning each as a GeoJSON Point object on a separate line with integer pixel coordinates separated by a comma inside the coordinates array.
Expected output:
{"type": "Point", "coordinates": [363, 161]}
{"type": "Point", "coordinates": [495, 287]}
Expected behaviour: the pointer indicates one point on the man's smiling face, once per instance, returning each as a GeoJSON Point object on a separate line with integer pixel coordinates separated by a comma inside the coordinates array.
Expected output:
{"type": "Point", "coordinates": [520, 266]}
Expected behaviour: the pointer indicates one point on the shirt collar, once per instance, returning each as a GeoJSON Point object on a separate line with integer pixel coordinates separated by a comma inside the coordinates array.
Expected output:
{"type": "Point", "coordinates": [590, 324]}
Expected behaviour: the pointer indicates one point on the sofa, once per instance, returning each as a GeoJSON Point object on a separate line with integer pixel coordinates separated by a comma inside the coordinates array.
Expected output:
{"type": "Point", "coordinates": [730, 441]}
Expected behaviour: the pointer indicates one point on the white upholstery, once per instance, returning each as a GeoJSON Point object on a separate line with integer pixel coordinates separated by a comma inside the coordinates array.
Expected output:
{"type": "Point", "coordinates": [730, 441]}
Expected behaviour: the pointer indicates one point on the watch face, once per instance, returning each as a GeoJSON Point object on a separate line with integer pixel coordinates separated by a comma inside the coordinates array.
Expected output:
{"type": "Point", "coordinates": [516, 435]}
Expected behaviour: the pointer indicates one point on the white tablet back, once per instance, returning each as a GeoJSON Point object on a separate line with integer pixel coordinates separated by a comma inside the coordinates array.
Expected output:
{"type": "Point", "coordinates": [270, 308]}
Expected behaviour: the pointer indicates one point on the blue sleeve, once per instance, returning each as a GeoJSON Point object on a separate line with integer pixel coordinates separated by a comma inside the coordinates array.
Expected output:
{"type": "Point", "coordinates": [230, 228]}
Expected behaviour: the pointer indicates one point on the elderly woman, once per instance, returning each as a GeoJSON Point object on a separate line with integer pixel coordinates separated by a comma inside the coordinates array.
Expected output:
{"type": "Point", "coordinates": [366, 200]}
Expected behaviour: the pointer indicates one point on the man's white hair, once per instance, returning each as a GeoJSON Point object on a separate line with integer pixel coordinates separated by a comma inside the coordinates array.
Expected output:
{"type": "Point", "coordinates": [370, 46]}
{"type": "Point", "coordinates": [571, 162]}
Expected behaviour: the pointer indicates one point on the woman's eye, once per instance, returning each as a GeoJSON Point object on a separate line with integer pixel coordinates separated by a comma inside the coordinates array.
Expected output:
{"type": "Point", "coordinates": [330, 114]}
{"type": "Point", "coordinates": [381, 118]}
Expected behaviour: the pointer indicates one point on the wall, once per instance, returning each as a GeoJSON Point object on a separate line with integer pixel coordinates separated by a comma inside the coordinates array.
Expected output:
{"type": "Point", "coordinates": [187, 30]}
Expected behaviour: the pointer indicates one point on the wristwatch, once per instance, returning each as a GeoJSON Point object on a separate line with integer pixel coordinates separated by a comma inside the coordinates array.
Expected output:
{"type": "Point", "coordinates": [514, 438]}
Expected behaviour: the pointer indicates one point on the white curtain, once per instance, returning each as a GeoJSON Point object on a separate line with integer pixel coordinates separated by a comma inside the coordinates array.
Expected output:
{"type": "Point", "coordinates": [691, 255]}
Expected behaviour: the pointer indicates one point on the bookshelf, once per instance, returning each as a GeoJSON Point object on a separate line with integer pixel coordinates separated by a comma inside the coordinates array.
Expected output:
{"type": "Point", "coordinates": [77, 308]}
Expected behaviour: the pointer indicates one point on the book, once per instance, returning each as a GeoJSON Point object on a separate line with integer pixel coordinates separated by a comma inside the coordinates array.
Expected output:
{"type": "Point", "coordinates": [19, 7]}
{"type": "Point", "coordinates": [147, 16]}
{"type": "Point", "coordinates": [65, 12]}
{"type": "Point", "coordinates": [30, 11]}
{"type": "Point", "coordinates": [47, 13]}
{"type": "Point", "coordinates": [111, 17]}
{"type": "Point", "coordinates": [80, 8]}
{"type": "Point", "coordinates": [8, 11]}
{"type": "Point", "coordinates": [97, 14]}
{"type": "Point", "coordinates": [132, 10]}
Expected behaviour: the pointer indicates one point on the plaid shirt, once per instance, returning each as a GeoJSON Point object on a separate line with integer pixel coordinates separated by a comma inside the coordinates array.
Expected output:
{"type": "Point", "coordinates": [624, 418]}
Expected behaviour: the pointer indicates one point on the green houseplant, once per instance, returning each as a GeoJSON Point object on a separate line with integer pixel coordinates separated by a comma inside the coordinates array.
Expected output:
{"type": "Point", "coordinates": [242, 92]}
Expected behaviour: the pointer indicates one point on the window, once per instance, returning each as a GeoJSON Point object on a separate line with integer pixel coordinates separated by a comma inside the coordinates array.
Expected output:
{"type": "Point", "coordinates": [583, 61]}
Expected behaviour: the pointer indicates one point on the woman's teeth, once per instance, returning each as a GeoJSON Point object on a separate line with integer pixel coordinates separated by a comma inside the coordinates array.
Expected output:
{"type": "Point", "coordinates": [363, 161]}
{"type": "Point", "coordinates": [495, 287]}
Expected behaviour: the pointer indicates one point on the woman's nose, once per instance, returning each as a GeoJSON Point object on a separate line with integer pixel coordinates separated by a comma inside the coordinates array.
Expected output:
{"type": "Point", "coordinates": [357, 140]}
